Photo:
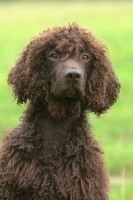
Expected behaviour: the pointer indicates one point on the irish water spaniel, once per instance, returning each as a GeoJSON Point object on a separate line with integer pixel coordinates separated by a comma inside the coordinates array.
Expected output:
{"type": "Point", "coordinates": [52, 154]}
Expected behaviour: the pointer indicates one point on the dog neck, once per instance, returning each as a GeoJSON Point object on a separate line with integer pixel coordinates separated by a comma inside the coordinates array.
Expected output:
{"type": "Point", "coordinates": [53, 129]}
{"type": "Point", "coordinates": [50, 128]}
{"type": "Point", "coordinates": [51, 136]}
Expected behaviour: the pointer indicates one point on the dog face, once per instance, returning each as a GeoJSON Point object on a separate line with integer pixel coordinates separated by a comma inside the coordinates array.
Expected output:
{"type": "Point", "coordinates": [67, 70]}
{"type": "Point", "coordinates": [68, 75]}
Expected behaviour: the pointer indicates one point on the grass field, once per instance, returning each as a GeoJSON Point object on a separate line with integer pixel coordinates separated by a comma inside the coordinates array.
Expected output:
{"type": "Point", "coordinates": [111, 22]}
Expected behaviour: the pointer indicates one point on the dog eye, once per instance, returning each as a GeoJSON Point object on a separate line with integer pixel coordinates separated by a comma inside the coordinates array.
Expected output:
{"type": "Point", "coordinates": [53, 56]}
{"type": "Point", "coordinates": [85, 57]}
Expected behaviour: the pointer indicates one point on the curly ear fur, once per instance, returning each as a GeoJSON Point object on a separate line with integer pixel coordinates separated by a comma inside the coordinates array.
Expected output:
{"type": "Point", "coordinates": [103, 86]}
{"type": "Point", "coordinates": [29, 76]}
{"type": "Point", "coordinates": [17, 78]}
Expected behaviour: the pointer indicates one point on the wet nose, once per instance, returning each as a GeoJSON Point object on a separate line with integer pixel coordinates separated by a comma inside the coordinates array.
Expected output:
{"type": "Point", "coordinates": [72, 75]}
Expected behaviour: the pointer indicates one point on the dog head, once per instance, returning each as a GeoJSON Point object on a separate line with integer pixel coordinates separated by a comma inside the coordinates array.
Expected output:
{"type": "Point", "coordinates": [68, 70]}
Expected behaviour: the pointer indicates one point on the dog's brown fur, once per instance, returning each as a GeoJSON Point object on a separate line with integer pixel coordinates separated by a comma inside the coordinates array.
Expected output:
{"type": "Point", "coordinates": [52, 154]}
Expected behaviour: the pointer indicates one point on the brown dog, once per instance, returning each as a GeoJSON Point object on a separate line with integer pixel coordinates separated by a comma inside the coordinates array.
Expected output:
{"type": "Point", "coordinates": [52, 154]}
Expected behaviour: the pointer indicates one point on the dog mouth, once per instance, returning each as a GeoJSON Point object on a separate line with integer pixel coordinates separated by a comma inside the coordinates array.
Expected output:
{"type": "Point", "coordinates": [69, 93]}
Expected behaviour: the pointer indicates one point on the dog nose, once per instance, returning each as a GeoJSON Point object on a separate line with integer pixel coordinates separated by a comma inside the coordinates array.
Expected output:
{"type": "Point", "coordinates": [72, 75]}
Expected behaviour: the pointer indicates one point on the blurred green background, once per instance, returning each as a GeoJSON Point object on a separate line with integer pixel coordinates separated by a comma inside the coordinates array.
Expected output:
{"type": "Point", "coordinates": [111, 22]}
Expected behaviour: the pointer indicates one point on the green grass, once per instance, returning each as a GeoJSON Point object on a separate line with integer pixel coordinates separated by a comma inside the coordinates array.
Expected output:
{"type": "Point", "coordinates": [121, 190]}
{"type": "Point", "coordinates": [112, 23]}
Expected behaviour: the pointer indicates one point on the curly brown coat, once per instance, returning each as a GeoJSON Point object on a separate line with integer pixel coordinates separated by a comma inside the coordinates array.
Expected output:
{"type": "Point", "coordinates": [52, 154]}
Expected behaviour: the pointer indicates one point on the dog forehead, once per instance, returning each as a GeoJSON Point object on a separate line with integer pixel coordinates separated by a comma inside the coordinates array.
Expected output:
{"type": "Point", "coordinates": [60, 41]}
{"type": "Point", "coordinates": [66, 45]}
{"type": "Point", "coordinates": [71, 39]}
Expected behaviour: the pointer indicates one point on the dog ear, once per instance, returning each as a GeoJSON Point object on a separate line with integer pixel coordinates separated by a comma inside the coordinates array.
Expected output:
{"type": "Point", "coordinates": [28, 76]}
{"type": "Point", "coordinates": [103, 86]}
{"type": "Point", "coordinates": [17, 77]}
